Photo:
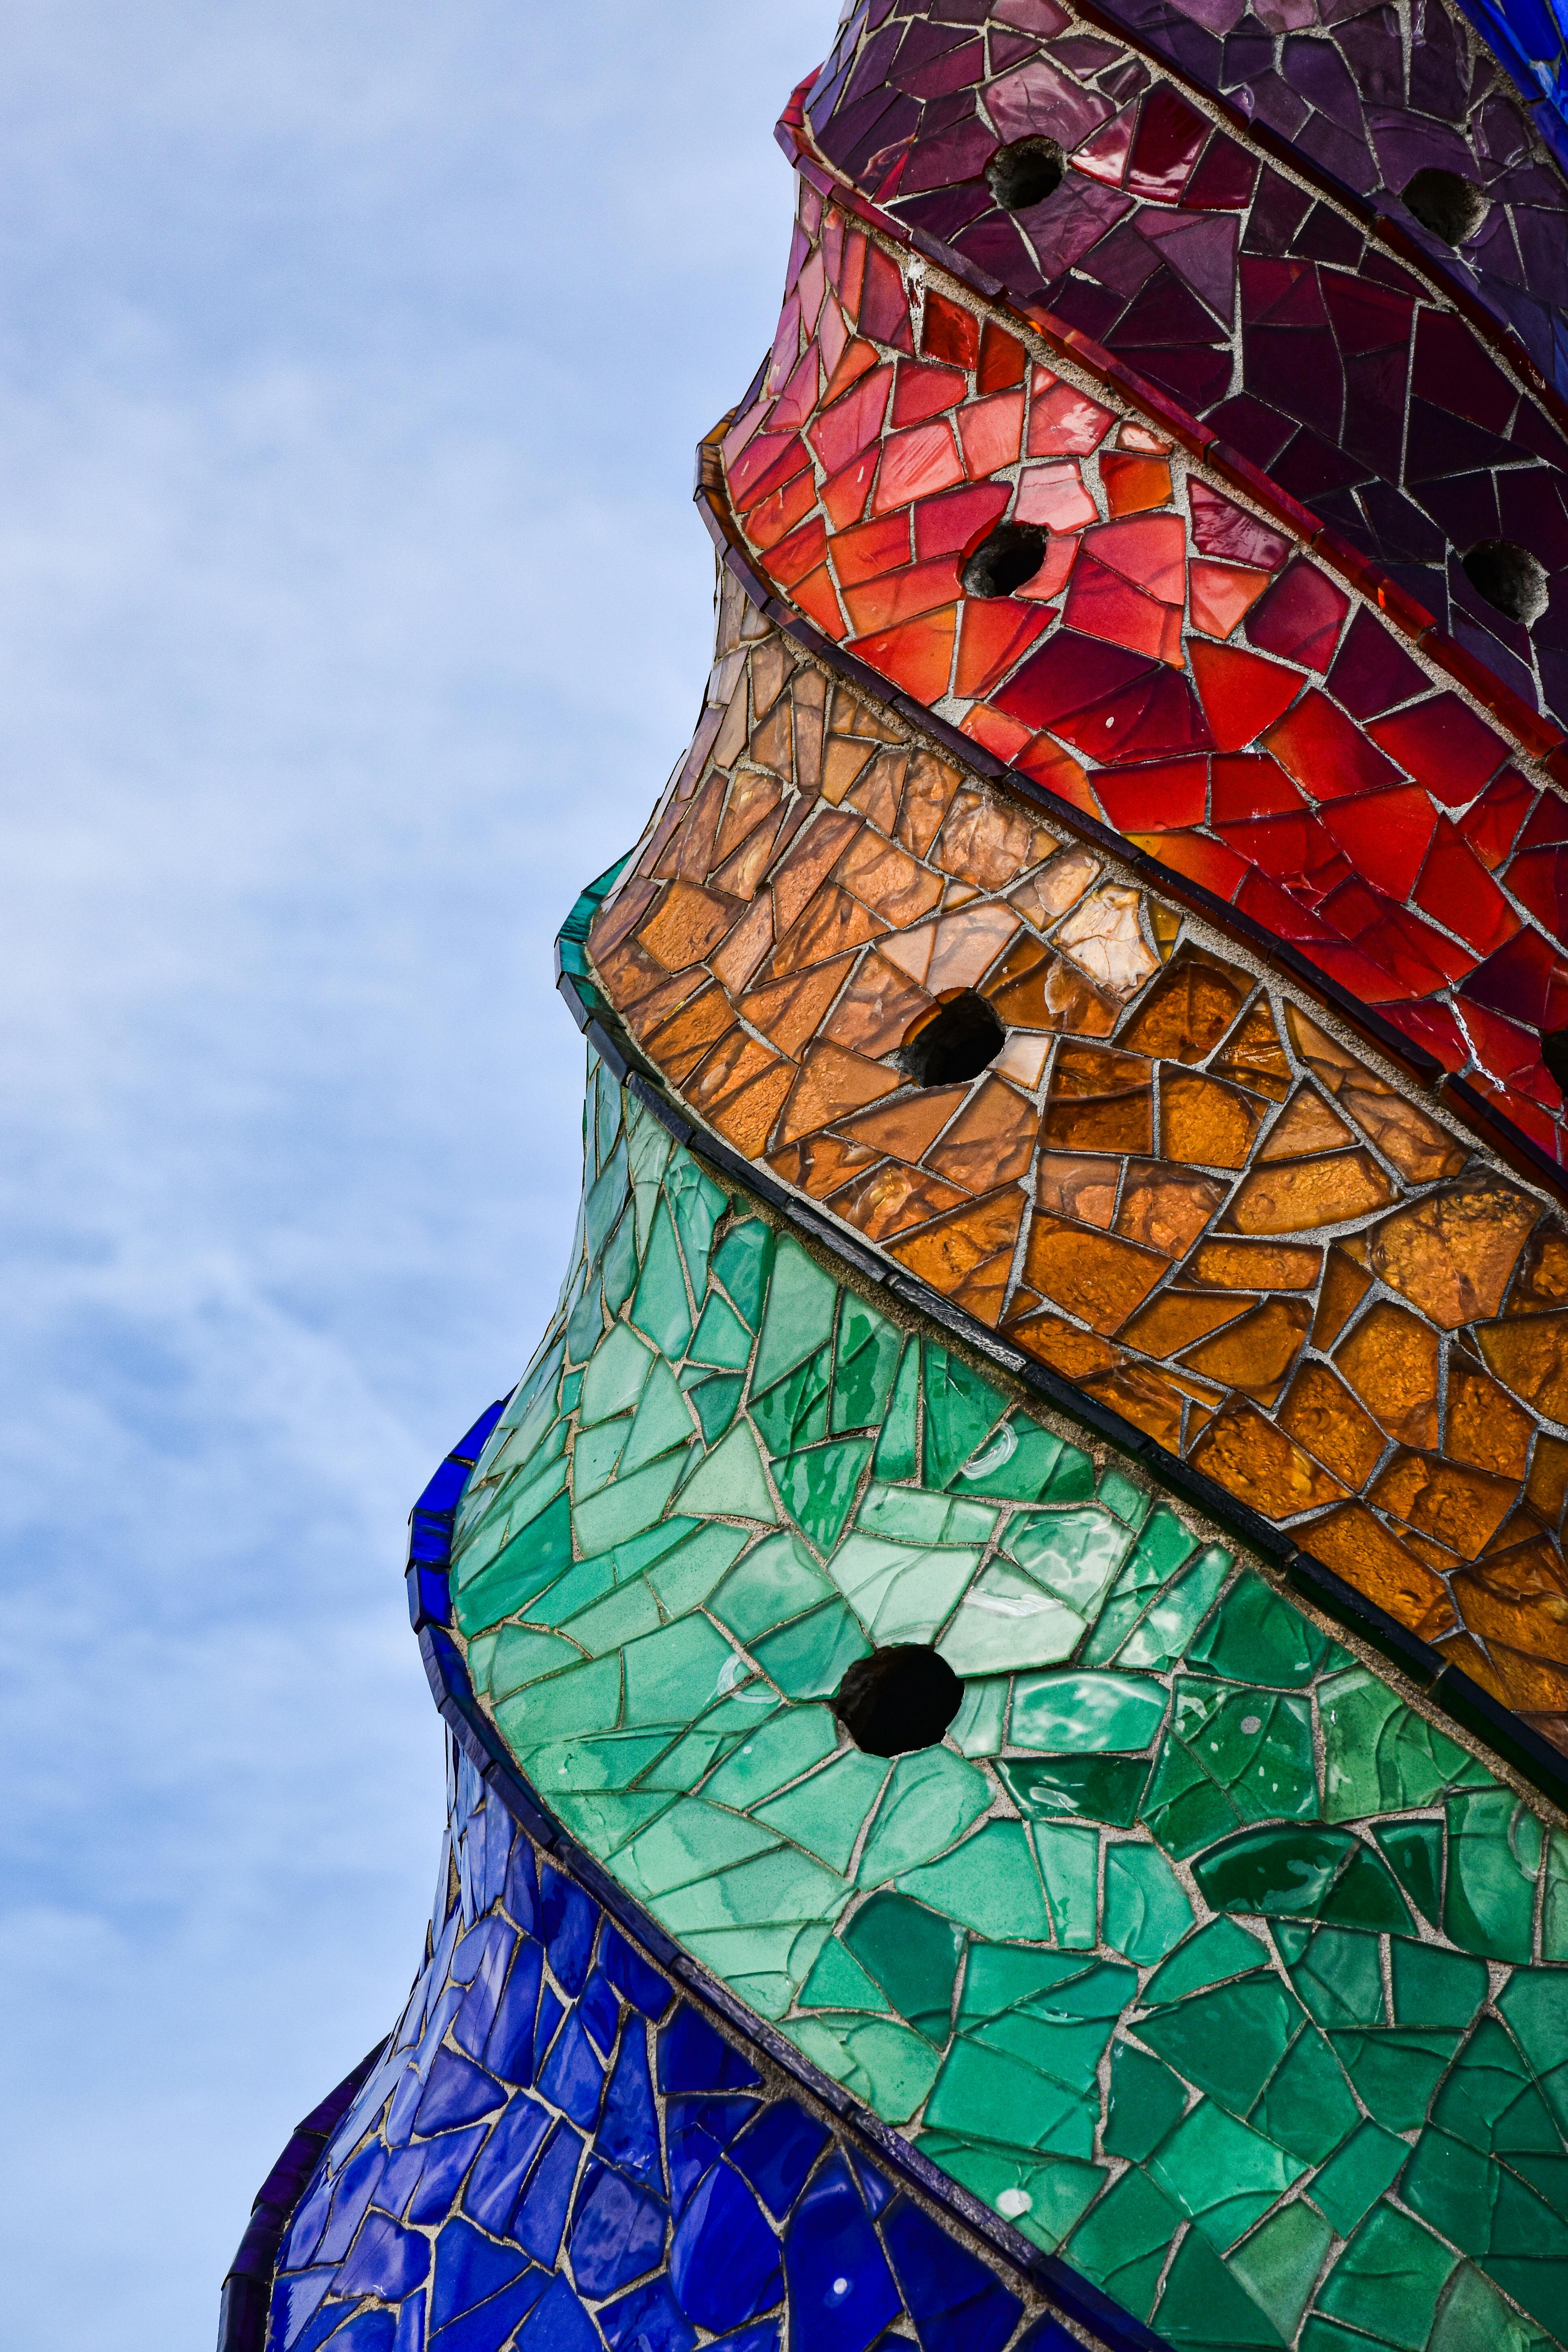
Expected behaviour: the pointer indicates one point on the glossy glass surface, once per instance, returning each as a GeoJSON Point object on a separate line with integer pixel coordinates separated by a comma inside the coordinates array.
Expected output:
{"type": "Point", "coordinates": [1187, 1924]}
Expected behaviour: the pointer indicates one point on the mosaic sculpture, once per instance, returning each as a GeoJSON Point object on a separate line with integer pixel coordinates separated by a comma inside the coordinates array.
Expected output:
{"type": "Point", "coordinates": [1008, 1661]}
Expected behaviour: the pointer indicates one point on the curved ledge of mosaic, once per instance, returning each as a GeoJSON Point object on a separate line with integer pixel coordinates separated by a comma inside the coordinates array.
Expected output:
{"type": "Point", "coordinates": [1378, 834]}
{"type": "Point", "coordinates": [1168, 1180]}
{"type": "Point", "coordinates": [560, 2148]}
{"type": "Point", "coordinates": [1193, 1949]}
{"type": "Point", "coordinates": [1258, 290]}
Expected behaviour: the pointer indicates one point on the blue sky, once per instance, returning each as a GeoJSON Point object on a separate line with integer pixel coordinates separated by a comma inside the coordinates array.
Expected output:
{"type": "Point", "coordinates": [353, 610]}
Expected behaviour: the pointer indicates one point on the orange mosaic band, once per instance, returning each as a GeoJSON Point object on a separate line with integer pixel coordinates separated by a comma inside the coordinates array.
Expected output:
{"type": "Point", "coordinates": [1173, 1202]}
{"type": "Point", "coordinates": [1487, 1058]}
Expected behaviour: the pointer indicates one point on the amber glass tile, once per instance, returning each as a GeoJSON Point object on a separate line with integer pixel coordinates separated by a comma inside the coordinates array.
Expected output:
{"type": "Point", "coordinates": [1094, 1276]}
{"type": "Point", "coordinates": [928, 788]}
{"type": "Point", "coordinates": [1081, 1190]}
{"type": "Point", "coordinates": [1255, 1265]}
{"type": "Point", "coordinates": [1359, 1548]}
{"type": "Point", "coordinates": [1305, 1126]}
{"type": "Point", "coordinates": [687, 925]}
{"type": "Point", "coordinates": [1321, 1414]}
{"type": "Point", "coordinates": [1345, 1285]}
{"type": "Point", "coordinates": [986, 842]}
{"type": "Point", "coordinates": [1033, 988]}
{"type": "Point", "coordinates": [1529, 1356]}
{"type": "Point", "coordinates": [887, 880]}
{"type": "Point", "coordinates": [1104, 936]}
{"type": "Point", "coordinates": [1146, 1399]}
{"type": "Point", "coordinates": [1451, 1255]}
{"type": "Point", "coordinates": [1391, 1361]}
{"type": "Point", "coordinates": [893, 1198]}
{"type": "Point", "coordinates": [1254, 1056]}
{"type": "Point", "coordinates": [1057, 885]}
{"type": "Point", "coordinates": [906, 1128]}
{"type": "Point", "coordinates": [1062, 1345]}
{"type": "Point", "coordinates": [878, 790]}
{"type": "Point", "coordinates": [1483, 1426]}
{"type": "Point", "coordinates": [968, 1254]}
{"type": "Point", "coordinates": [1203, 1120]}
{"type": "Point", "coordinates": [1255, 1354]}
{"type": "Point", "coordinates": [1176, 1318]}
{"type": "Point", "coordinates": [833, 1082]}
{"type": "Point", "coordinates": [1457, 1508]}
{"type": "Point", "coordinates": [990, 1142]}
{"type": "Point", "coordinates": [1246, 1453]}
{"type": "Point", "coordinates": [821, 1163]}
{"type": "Point", "coordinates": [789, 1012]}
{"type": "Point", "coordinates": [1300, 1194]}
{"type": "Point", "coordinates": [878, 1009]}
{"type": "Point", "coordinates": [1185, 1015]}
{"type": "Point", "coordinates": [1166, 1207]}
{"type": "Point", "coordinates": [1540, 1277]}
{"type": "Point", "coordinates": [831, 923]}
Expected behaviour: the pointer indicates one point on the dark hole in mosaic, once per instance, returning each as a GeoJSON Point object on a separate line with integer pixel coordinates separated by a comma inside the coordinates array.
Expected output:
{"type": "Point", "coordinates": [955, 1044]}
{"type": "Point", "coordinates": [1554, 1053]}
{"type": "Point", "coordinates": [1025, 173]}
{"type": "Point", "coordinates": [1013, 553]}
{"type": "Point", "coordinates": [1452, 207]}
{"type": "Point", "coordinates": [898, 1699]}
{"type": "Point", "coordinates": [1509, 577]}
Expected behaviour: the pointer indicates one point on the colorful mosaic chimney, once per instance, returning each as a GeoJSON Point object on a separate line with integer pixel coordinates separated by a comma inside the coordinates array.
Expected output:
{"type": "Point", "coordinates": [1008, 1661]}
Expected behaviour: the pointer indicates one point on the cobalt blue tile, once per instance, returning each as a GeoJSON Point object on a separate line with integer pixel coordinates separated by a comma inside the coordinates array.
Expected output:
{"type": "Point", "coordinates": [305, 2230]}
{"type": "Point", "coordinates": [469, 1448]}
{"type": "Point", "coordinates": [628, 2134]}
{"type": "Point", "coordinates": [600, 2011]}
{"type": "Point", "coordinates": [1048, 2335]}
{"type": "Point", "coordinates": [522, 1887]}
{"type": "Point", "coordinates": [410, 2337]}
{"type": "Point", "coordinates": [569, 1922]}
{"type": "Point", "coordinates": [490, 2325]}
{"type": "Point", "coordinates": [572, 2078]}
{"type": "Point", "coordinates": [630, 1973]}
{"type": "Point", "coordinates": [445, 2159]}
{"type": "Point", "coordinates": [484, 1951]}
{"type": "Point", "coordinates": [541, 2217]}
{"type": "Point", "coordinates": [551, 2010]}
{"type": "Point", "coordinates": [777, 2153]}
{"type": "Point", "coordinates": [698, 2131]}
{"type": "Point", "coordinates": [957, 2304]}
{"type": "Point", "coordinates": [841, 2292]}
{"type": "Point", "coordinates": [456, 2092]}
{"type": "Point", "coordinates": [445, 1491]}
{"type": "Point", "coordinates": [558, 2323]}
{"type": "Point", "coordinates": [355, 2187]}
{"type": "Point", "coordinates": [295, 2300]}
{"type": "Point", "coordinates": [508, 2046]}
{"type": "Point", "coordinates": [500, 1833]}
{"type": "Point", "coordinates": [367, 2331]}
{"type": "Point", "coordinates": [724, 2258]}
{"type": "Point", "coordinates": [470, 2268]}
{"type": "Point", "coordinates": [386, 2260]}
{"type": "Point", "coordinates": [496, 2182]}
{"type": "Point", "coordinates": [873, 2188]}
{"type": "Point", "coordinates": [617, 2232]}
{"type": "Point", "coordinates": [398, 2180]}
{"type": "Point", "coordinates": [692, 2057]}
{"type": "Point", "coordinates": [430, 1537]}
{"type": "Point", "coordinates": [764, 2338]}
{"type": "Point", "coordinates": [647, 2320]}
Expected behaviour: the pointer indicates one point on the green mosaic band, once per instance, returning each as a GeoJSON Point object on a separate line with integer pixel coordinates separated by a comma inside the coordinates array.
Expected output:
{"type": "Point", "coordinates": [1193, 1948]}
